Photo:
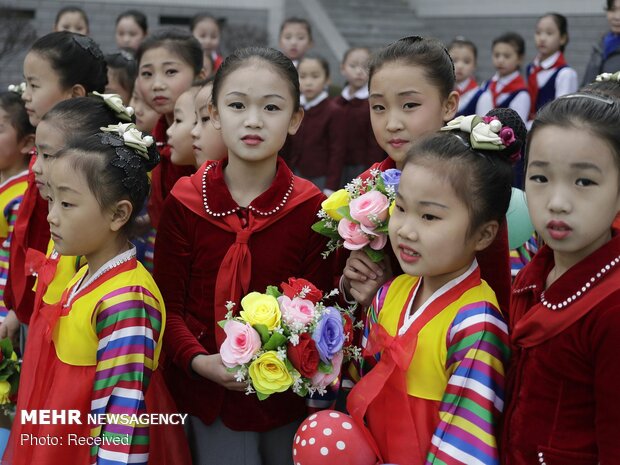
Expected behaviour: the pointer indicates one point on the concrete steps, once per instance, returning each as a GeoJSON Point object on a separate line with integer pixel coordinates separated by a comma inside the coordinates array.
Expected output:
{"type": "Point", "coordinates": [371, 23]}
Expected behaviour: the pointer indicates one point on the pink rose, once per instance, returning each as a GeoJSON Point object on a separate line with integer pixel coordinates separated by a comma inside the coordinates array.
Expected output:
{"type": "Point", "coordinates": [370, 208]}
{"type": "Point", "coordinates": [241, 343]}
{"type": "Point", "coordinates": [378, 242]}
{"type": "Point", "coordinates": [377, 239]}
{"type": "Point", "coordinates": [354, 238]}
{"type": "Point", "coordinates": [325, 379]}
{"type": "Point", "coordinates": [296, 310]}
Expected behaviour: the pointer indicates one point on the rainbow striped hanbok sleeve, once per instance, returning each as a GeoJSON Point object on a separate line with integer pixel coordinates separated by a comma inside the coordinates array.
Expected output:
{"type": "Point", "coordinates": [477, 342]}
{"type": "Point", "coordinates": [522, 255]}
{"type": "Point", "coordinates": [10, 213]}
{"type": "Point", "coordinates": [128, 325]}
{"type": "Point", "coordinates": [356, 369]}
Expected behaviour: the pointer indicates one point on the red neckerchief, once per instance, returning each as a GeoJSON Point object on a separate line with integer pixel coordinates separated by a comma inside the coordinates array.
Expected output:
{"type": "Point", "coordinates": [219, 59]}
{"type": "Point", "coordinates": [388, 377]}
{"type": "Point", "coordinates": [516, 84]}
{"type": "Point", "coordinates": [470, 86]}
{"type": "Point", "coordinates": [536, 324]}
{"type": "Point", "coordinates": [532, 80]}
{"type": "Point", "coordinates": [234, 274]}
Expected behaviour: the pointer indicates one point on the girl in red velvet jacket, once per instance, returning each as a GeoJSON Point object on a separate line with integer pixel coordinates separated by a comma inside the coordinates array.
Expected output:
{"type": "Point", "coordinates": [317, 150]}
{"type": "Point", "coordinates": [236, 226]}
{"type": "Point", "coordinates": [565, 306]}
{"type": "Point", "coordinates": [411, 85]}
{"type": "Point", "coordinates": [362, 149]}
{"type": "Point", "coordinates": [168, 62]}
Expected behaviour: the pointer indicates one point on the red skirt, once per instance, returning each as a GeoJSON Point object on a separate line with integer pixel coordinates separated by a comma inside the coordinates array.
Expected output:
{"type": "Point", "coordinates": [47, 383]}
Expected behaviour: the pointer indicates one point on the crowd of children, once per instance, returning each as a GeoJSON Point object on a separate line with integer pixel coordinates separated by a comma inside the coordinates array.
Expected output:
{"type": "Point", "coordinates": [146, 191]}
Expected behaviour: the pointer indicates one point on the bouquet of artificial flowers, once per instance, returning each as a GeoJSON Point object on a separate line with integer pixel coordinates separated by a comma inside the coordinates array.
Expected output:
{"type": "Point", "coordinates": [287, 338]}
{"type": "Point", "coordinates": [9, 376]}
{"type": "Point", "coordinates": [356, 217]}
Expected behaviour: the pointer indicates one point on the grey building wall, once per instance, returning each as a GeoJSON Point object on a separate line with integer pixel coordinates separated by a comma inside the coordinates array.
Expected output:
{"type": "Point", "coordinates": [102, 17]}
{"type": "Point", "coordinates": [584, 28]}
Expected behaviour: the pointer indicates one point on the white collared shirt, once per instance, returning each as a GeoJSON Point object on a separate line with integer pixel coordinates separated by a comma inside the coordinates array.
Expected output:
{"type": "Point", "coordinates": [465, 98]}
{"type": "Point", "coordinates": [361, 93]}
{"type": "Point", "coordinates": [565, 83]}
{"type": "Point", "coordinates": [521, 103]}
{"type": "Point", "coordinates": [314, 102]}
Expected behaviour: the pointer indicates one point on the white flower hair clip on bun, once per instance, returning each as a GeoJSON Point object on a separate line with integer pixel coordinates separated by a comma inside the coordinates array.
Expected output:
{"type": "Point", "coordinates": [115, 102]}
{"type": "Point", "coordinates": [132, 137]}
{"type": "Point", "coordinates": [608, 77]}
{"type": "Point", "coordinates": [17, 88]}
{"type": "Point", "coordinates": [486, 132]}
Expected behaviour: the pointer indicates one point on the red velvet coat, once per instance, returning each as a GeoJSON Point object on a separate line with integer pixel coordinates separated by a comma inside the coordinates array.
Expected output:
{"type": "Point", "coordinates": [165, 174]}
{"type": "Point", "coordinates": [564, 380]}
{"type": "Point", "coordinates": [189, 251]}
{"type": "Point", "coordinates": [319, 146]}
{"type": "Point", "coordinates": [361, 145]}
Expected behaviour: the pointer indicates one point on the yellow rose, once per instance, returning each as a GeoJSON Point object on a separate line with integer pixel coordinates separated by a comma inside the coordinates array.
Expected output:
{"type": "Point", "coordinates": [331, 204]}
{"type": "Point", "coordinates": [5, 390]}
{"type": "Point", "coordinates": [391, 209]}
{"type": "Point", "coordinates": [261, 309]}
{"type": "Point", "coordinates": [269, 374]}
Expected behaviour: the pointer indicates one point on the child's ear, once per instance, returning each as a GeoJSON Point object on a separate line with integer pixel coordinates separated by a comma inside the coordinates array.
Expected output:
{"type": "Point", "coordinates": [120, 215]}
{"type": "Point", "coordinates": [202, 74]}
{"type": "Point", "coordinates": [26, 144]}
{"type": "Point", "coordinates": [296, 120]}
{"type": "Point", "coordinates": [450, 106]}
{"type": "Point", "coordinates": [485, 235]}
{"type": "Point", "coordinates": [214, 114]}
{"type": "Point", "coordinates": [78, 90]}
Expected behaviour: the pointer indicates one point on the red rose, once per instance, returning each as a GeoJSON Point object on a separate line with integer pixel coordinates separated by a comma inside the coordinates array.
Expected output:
{"type": "Point", "coordinates": [348, 330]}
{"type": "Point", "coordinates": [1, 356]}
{"type": "Point", "coordinates": [296, 285]}
{"type": "Point", "coordinates": [304, 356]}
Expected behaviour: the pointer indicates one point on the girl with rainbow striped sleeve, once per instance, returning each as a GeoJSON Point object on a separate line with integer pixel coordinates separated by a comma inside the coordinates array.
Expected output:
{"type": "Point", "coordinates": [435, 340]}
{"type": "Point", "coordinates": [94, 351]}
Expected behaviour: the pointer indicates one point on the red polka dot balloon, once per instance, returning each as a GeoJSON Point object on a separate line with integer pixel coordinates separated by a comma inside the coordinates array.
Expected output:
{"type": "Point", "coordinates": [330, 437]}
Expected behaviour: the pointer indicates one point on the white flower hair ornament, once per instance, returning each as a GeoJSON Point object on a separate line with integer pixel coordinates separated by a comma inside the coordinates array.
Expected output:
{"type": "Point", "coordinates": [608, 77]}
{"type": "Point", "coordinates": [486, 133]}
{"type": "Point", "coordinates": [132, 137]}
{"type": "Point", "coordinates": [17, 88]}
{"type": "Point", "coordinates": [115, 103]}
